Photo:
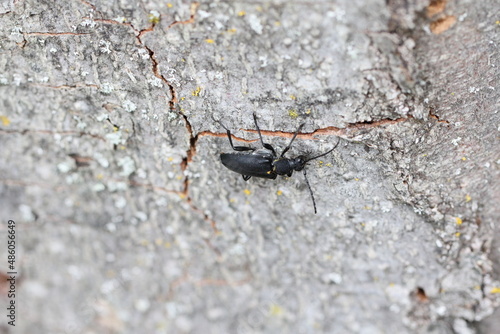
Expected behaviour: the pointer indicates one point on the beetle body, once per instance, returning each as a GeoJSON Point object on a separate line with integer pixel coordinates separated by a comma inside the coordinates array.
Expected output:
{"type": "Point", "coordinates": [264, 162]}
{"type": "Point", "coordinates": [257, 164]}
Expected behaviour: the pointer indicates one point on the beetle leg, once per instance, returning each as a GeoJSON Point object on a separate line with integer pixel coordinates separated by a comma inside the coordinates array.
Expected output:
{"type": "Point", "coordinates": [291, 141]}
{"type": "Point", "coordinates": [238, 148]}
{"type": "Point", "coordinates": [246, 177]}
{"type": "Point", "coordinates": [310, 190]}
{"type": "Point", "coordinates": [265, 145]}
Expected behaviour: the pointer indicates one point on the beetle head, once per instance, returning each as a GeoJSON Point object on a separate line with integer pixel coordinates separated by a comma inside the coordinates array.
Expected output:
{"type": "Point", "coordinates": [298, 163]}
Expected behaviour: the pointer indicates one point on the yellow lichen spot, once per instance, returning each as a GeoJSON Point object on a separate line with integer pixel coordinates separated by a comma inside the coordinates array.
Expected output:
{"type": "Point", "coordinates": [495, 290]}
{"type": "Point", "coordinates": [210, 41]}
{"type": "Point", "coordinates": [293, 97]}
{"type": "Point", "coordinates": [276, 310]}
{"type": "Point", "coordinates": [158, 241]}
{"type": "Point", "coordinates": [5, 120]}
{"type": "Point", "coordinates": [279, 193]}
{"type": "Point", "coordinates": [196, 92]}
{"type": "Point", "coordinates": [497, 22]}
{"type": "Point", "coordinates": [277, 23]}
{"type": "Point", "coordinates": [293, 113]}
{"type": "Point", "coordinates": [232, 200]}
{"type": "Point", "coordinates": [392, 284]}
{"type": "Point", "coordinates": [259, 8]}
{"type": "Point", "coordinates": [477, 287]}
{"type": "Point", "coordinates": [308, 111]}
{"type": "Point", "coordinates": [115, 128]}
{"type": "Point", "coordinates": [122, 147]}
{"type": "Point", "coordinates": [183, 98]}
{"type": "Point", "coordinates": [468, 198]}
{"type": "Point", "coordinates": [464, 158]}
{"type": "Point", "coordinates": [170, 159]}
{"type": "Point", "coordinates": [367, 207]}
{"type": "Point", "coordinates": [99, 176]}
{"type": "Point", "coordinates": [154, 17]}
{"type": "Point", "coordinates": [458, 220]}
{"type": "Point", "coordinates": [169, 5]}
{"type": "Point", "coordinates": [179, 177]}
{"type": "Point", "coordinates": [356, 179]}
{"type": "Point", "coordinates": [144, 242]}
{"type": "Point", "coordinates": [452, 93]}
{"type": "Point", "coordinates": [424, 155]}
{"type": "Point", "coordinates": [182, 195]}
{"type": "Point", "coordinates": [231, 31]}
{"type": "Point", "coordinates": [457, 234]}
{"type": "Point", "coordinates": [242, 13]}
{"type": "Point", "coordinates": [247, 192]}
{"type": "Point", "coordinates": [167, 244]}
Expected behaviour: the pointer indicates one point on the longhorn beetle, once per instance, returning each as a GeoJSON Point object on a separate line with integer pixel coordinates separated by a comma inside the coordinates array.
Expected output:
{"type": "Point", "coordinates": [264, 162]}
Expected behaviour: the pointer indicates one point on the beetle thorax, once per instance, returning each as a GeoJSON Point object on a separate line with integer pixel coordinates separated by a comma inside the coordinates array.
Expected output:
{"type": "Point", "coordinates": [286, 166]}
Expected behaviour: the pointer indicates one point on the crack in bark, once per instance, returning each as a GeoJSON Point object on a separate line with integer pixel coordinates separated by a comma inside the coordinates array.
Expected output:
{"type": "Point", "coordinates": [194, 6]}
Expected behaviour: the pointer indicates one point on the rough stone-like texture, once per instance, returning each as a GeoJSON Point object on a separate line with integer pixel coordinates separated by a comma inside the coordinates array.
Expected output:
{"type": "Point", "coordinates": [111, 123]}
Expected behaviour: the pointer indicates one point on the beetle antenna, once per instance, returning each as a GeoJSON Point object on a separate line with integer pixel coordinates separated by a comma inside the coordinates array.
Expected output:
{"type": "Point", "coordinates": [310, 190]}
{"type": "Point", "coordinates": [218, 121]}
{"type": "Point", "coordinates": [291, 141]}
{"type": "Point", "coordinates": [323, 154]}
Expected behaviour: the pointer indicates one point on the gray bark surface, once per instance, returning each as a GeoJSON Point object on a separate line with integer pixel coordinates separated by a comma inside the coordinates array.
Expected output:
{"type": "Point", "coordinates": [127, 222]}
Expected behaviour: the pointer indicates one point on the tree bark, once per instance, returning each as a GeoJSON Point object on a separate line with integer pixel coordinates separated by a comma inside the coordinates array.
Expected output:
{"type": "Point", "coordinates": [112, 119]}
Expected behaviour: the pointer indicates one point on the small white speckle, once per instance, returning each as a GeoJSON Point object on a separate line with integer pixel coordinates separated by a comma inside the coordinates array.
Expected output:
{"type": "Point", "coordinates": [142, 216]}
{"type": "Point", "coordinates": [143, 54]}
{"type": "Point", "coordinates": [330, 278]}
{"type": "Point", "coordinates": [203, 14]}
{"type": "Point", "coordinates": [88, 23]}
{"type": "Point", "coordinates": [456, 140]}
{"type": "Point", "coordinates": [53, 50]}
{"type": "Point", "coordinates": [142, 305]}
{"type": "Point", "coordinates": [115, 138]}
{"type": "Point", "coordinates": [128, 165]}
{"type": "Point", "coordinates": [111, 227]}
{"type": "Point", "coordinates": [129, 106]}
{"type": "Point", "coordinates": [98, 187]}
{"type": "Point", "coordinates": [155, 82]}
{"type": "Point", "coordinates": [104, 46]}
{"type": "Point", "coordinates": [441, 310]}
{"type": "Point", "coordinates": [106, 88]}
{"type": "Point", "coordinates": [101, 160]}
{"type": "Point", "coordinates": [64, 167]}
{"type": "Point", "coordinates": [102, 117]}
{"type": "Point", "coordinates": [154, 14]}
{"type": "Point", "coordinates": [439, 244]}
{"type": "Point", "coordinates": [26, 213]}
{"type": "Point", "coordinates": [120, 202]}
{"type": "Point", "coordinates": [255, 24]}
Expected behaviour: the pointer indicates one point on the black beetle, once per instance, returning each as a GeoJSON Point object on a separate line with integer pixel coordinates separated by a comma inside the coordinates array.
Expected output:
{"type": "Point", "coordinates": [264, 162]}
